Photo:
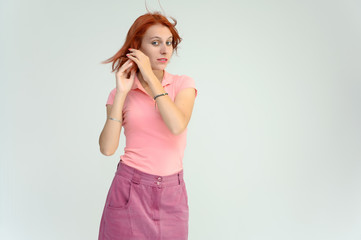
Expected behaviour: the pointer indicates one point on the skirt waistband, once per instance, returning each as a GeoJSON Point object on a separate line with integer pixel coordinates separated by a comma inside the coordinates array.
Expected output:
{"type": "Point", "coordinates": [139, 177]}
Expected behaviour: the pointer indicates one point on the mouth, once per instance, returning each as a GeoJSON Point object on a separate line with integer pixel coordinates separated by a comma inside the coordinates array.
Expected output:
{"type": "Point", "coordinates": [162, 60]}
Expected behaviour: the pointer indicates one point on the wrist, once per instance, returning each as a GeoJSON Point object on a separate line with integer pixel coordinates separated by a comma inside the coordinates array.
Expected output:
{"type": "Point", "coordinates": [152, 79]}
{"type": "Point", "coordinates": [121, 92]}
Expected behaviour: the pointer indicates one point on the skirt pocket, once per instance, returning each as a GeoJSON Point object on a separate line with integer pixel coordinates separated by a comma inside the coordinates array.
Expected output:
{"type": "Point", "coordinates": [120, 194]}
{"type": "Point", "coordinates": [117, 222]}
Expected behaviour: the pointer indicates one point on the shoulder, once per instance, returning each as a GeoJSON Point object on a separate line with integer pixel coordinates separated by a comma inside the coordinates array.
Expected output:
{"type": "Point", "coordinates": [180, 80]}
{"type": "Point", "coordinates": [111, 96]}
{"type": "Point", "coordinates": [177, 76]}
{"type": "Point", "coordinates": [113, 91]}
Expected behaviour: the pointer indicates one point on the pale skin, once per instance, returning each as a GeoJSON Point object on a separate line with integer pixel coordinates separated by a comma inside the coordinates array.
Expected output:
{"type": "Point", "coordinates": [156, 44]}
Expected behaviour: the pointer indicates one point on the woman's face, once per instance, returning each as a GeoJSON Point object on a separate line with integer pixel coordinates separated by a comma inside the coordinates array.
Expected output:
{"type": "Point", "coordinates": [157, 45]}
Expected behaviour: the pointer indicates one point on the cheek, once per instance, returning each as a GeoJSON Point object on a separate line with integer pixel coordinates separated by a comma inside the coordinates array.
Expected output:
{"type": "Point", "coordinates": [145, 50]}
{"type": "Point", "coordinates": [149, 53]}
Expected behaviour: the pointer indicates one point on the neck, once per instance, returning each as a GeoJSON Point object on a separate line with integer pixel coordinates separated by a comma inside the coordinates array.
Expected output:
{"type": "Point", "coordinates": [158, 73]}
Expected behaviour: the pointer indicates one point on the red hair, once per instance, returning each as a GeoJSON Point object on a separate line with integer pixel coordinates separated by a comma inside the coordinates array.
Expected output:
{"type": "Point", "coordinates": [136, 33]}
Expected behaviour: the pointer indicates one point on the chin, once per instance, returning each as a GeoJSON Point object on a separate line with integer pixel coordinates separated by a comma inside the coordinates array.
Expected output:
{"type": "Point", "coordinates": [159, 68]}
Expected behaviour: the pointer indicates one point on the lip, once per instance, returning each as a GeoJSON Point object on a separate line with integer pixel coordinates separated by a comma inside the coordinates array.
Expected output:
{"type": "Point", "coordinates": [162, 60]}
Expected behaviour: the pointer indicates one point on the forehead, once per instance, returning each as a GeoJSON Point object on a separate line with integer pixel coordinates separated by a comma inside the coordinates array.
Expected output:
{"type": "Point", "coordinates": [158, 30]}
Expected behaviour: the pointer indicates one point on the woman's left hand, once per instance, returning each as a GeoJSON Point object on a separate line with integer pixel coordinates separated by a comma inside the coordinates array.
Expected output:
{"type": "Point", "coordinates": [143, 63]}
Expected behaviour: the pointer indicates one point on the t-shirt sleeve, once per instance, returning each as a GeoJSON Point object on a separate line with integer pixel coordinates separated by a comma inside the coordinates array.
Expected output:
{"type": "Point", "coordinates": [187, 82]}
{"type": "Point", "coordinates": [111, 97]}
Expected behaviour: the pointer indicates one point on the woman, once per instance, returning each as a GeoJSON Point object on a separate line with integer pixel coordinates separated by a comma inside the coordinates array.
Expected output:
{"type": "Point", "coordinates": [147, 198]}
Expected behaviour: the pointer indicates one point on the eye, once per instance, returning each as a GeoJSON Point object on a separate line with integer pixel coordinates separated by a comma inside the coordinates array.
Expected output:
{"type": "Point", "coordinates": [156, 43]}
{"type": "Point", "coordinates": [169, 43]}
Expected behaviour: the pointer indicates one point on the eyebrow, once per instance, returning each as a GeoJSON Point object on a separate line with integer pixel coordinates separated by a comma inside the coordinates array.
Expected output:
{"type": "Point", "coordinates": [160, 37]}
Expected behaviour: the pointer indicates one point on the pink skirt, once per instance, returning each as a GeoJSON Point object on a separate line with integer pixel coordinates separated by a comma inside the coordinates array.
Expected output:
{"type": "Point", "coordinates": [141, 206]}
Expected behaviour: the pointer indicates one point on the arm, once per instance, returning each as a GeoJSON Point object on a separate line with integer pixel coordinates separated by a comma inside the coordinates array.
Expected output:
{"type": "Point", "coordinates": [109, 137]}
{"type": "Point", "coordinates": [177, 114]}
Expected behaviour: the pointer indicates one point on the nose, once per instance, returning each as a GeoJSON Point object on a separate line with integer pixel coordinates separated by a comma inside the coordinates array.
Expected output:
{"type": "Point", "coordinates": [163, 49]}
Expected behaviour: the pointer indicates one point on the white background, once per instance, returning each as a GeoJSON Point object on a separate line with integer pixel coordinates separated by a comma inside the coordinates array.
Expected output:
{"type": "Point", "coordinates": [274, 143]}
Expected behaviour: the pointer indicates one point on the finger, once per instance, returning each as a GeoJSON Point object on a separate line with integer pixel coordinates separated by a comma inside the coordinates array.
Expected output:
{"type": "Point", "coordinates": [129, 64]}
{"type": "Point", "coordinates": [128, 69]}
{"type": "Point", "coordinates": [133, 58]}
{"type": "Point", "coordinates": [132, 73]}
{"type": "Point", "coordinates": [132, 54]}
{"type": "Point", "coordinates": [133, 50]}
{"type": "Point", "coordinates": [123, 67]}
{"type": "Point", "coordinates": [126, 65]}
{"type": "Point", "coordinates": [136, 52]}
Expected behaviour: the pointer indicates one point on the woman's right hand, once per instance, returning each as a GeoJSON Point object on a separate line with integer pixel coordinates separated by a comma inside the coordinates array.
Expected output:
{"type": "Point", "coordinates": [124, 84]}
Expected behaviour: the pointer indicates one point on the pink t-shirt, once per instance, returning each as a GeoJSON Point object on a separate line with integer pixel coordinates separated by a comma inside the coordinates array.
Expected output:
{"type": "Point", "coordinates": [150, 145]}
